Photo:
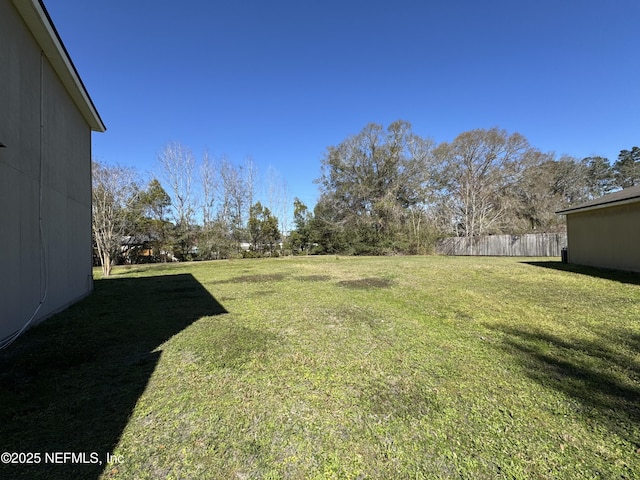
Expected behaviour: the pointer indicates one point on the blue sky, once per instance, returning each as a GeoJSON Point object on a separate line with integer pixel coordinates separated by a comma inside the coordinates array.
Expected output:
{"type": "Point", "coordinates": [280, 81]}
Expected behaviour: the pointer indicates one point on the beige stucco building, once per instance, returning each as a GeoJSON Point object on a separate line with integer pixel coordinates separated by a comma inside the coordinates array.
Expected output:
{"type": "Point", "coordinates": [606, 232]}
{"type": "Point", "coordinates": [46, 120]}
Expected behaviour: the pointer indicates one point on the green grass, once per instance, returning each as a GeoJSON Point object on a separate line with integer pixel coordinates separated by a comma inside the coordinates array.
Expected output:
{"type": "Point", "coordinates": [334, 367]}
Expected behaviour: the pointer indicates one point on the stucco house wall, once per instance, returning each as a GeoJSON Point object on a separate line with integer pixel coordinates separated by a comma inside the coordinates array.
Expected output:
{"type": "Point", "coordinates": [45, 171]}
{"type": "Point", "coordinates": [606, 232]}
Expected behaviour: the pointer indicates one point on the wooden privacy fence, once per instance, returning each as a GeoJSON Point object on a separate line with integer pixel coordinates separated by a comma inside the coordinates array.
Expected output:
{"type": "Point", "coordinates": [529, 245]}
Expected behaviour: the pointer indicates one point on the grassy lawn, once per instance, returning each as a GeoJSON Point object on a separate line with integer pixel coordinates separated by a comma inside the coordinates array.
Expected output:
{"type": "Point", "coordinates": [334, 367]}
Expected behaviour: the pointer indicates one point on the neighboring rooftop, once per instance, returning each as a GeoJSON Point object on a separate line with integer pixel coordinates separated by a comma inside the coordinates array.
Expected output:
{"type": "Point", "coordinates": [627, 195]}
{"type": "Point", "coordinates": [37, 18]}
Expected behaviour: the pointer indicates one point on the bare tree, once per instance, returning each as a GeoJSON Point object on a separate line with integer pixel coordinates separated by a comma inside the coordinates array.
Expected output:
{"type": "Point", "coordinates": [278, 198]}
{"type": "Point", "coordinates": [209, 187]}
{"type": "Point", "coordinates": [178, 168]}
{"type": "Point", "coordinates": [475, 172]}
{"type": "Point", "coordinates": [250, 180]}
{"type": "Point", "coordinates": [113, 192]}
{"type": "Point", "coordinates": [233, 199]}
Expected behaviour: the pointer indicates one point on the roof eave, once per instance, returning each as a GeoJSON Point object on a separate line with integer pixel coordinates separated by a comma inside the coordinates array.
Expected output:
{"type": "Point", "coordinates": [37, 19]}
{"type": "Point", "coordinates": [614, 203]}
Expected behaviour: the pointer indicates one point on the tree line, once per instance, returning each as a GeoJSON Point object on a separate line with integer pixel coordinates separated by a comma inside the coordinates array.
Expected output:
{"type": "Point", "coordinates": [387, 190]}
{"type": "Point", "coordinates": [191, 209]}
{"type": "Point", "coordinates": [382, 191]}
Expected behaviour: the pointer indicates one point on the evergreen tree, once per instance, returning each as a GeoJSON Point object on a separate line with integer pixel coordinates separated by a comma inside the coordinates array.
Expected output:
{"type": "Point", "coordinates": [627, 168]}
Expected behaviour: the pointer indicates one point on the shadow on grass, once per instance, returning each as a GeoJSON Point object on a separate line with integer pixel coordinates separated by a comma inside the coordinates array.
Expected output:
{"type": "Point", "coordinates": [608, 274]}
{"type": "Point", "coordinates": [602, 375]}
{"type": "Point", "coordinates": [71, 383]}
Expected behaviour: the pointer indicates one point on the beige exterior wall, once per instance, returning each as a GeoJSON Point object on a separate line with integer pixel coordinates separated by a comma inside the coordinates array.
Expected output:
{"type": "Point", "coordinates": [606, 237]}
{"type": "Point", "coordinates": [45, 183]}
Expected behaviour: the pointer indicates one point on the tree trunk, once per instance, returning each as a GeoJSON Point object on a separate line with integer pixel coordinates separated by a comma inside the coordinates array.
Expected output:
{"type": "Point", "coordinates": [106, 264]}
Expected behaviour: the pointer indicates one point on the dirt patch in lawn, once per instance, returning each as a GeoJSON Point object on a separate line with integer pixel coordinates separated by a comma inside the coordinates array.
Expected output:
{"type": "Point", "coordinates": [257, 278]}
{"type": "Point", "coordinates": [313, 278]}
{"type": "Point", "coordinates": [366, 283]}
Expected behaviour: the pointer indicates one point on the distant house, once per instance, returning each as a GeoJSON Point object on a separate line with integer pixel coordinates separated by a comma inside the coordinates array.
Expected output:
{"type": "Point", "coordinates": [136, 249]}
{"type": "Point", "coordinates": [46, 120]}
{"type": "Point", "coordinates": [605, 232]}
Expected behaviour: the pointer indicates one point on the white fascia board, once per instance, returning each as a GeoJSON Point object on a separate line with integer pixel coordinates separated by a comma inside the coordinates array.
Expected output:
{"type": "Point", "coordinates": [41, 27]}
